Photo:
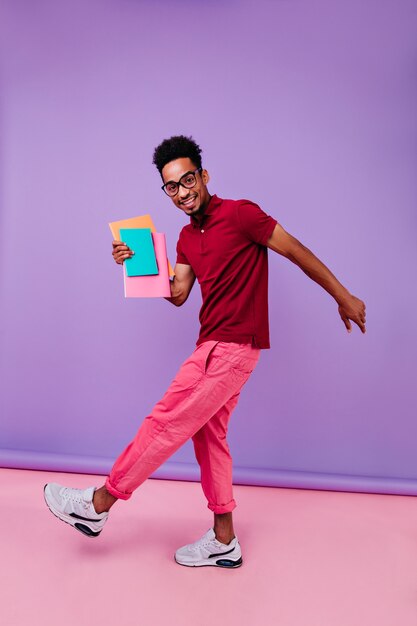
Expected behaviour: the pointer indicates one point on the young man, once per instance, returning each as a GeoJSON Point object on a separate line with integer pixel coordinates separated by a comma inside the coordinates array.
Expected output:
{"type": "Point", "coordinates": [225, 247]}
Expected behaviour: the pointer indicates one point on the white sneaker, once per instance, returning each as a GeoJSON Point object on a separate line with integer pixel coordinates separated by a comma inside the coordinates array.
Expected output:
{"type": "Point", "coordinates": [75, 507]}
{"type": "Point", "coordinates": [209, 551]}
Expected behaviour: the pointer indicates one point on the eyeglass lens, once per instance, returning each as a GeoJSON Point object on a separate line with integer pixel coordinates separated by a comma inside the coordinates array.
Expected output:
{"type": "Point", "coordinates": [188, 181]}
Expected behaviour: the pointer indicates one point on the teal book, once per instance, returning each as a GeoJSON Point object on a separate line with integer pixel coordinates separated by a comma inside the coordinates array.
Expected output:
{"type": "Point", "coordinates": [143, 262]}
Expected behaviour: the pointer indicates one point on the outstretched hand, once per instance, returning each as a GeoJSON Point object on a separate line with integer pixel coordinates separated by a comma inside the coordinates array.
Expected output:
{"type": "Point", "coordinates": [353, 309]}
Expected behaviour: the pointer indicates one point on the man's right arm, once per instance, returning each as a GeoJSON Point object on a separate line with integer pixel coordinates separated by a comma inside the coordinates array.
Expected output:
{"type": "Point", "coordinates": [182, 284]}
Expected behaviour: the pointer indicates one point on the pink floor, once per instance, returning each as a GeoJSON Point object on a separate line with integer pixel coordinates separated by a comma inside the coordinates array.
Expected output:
{"type": "Point", "coordinates": [311, 558]}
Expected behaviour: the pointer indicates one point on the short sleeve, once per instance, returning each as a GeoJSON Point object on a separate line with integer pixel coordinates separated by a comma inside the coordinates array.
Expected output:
{"type": "Point", "coordinates": [255, 223]}
{"type": "Point", "coordinates": [181, 258]}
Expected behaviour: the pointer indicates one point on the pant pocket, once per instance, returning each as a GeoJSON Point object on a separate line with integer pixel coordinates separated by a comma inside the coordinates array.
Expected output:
{"type": "Point", "coordinates": [209, 356]}
{"type": "Point", "coordinates": [247, 365]}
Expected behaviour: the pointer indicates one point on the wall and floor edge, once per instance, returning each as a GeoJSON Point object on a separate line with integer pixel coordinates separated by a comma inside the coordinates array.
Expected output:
{"type": "Point", "coordinates": [24, 459]}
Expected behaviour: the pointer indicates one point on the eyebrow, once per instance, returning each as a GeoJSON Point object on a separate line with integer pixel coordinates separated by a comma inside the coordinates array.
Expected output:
{"type": "Point", "coordinates": [177, 181]}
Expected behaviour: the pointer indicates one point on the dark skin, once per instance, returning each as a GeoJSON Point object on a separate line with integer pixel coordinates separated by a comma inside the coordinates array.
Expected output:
{"type": "Point", "coordinates": [193, 203]}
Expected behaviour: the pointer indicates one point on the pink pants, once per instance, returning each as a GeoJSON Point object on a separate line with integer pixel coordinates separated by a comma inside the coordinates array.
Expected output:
{"type": "Point", "coordinates": [198, 404]}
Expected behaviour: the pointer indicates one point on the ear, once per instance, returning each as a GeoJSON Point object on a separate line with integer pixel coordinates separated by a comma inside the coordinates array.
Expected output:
{"type": "Point", "coordinates": [205, 176]}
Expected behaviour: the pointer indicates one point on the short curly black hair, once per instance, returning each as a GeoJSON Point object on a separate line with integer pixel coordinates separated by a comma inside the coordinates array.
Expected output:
{"type": "Point", "coordinates": [176, 147]}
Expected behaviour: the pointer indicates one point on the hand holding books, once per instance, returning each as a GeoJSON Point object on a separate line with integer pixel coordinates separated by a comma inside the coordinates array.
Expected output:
{"type": "Point", "coordinates": [121, 251]}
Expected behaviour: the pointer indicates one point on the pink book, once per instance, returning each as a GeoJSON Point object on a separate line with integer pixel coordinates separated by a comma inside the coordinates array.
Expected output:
{"type": "Point", "coordinates": [151, 286]}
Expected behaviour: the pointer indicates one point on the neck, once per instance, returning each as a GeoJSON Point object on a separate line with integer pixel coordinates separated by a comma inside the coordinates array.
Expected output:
{"type": "Point", "coordinates": [200, 215]}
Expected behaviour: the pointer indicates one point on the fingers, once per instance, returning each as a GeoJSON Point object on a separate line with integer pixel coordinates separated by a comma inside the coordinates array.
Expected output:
{"type": "Point", "coordinates": [362, 319]}
{"type": "Point", "coordinates": [121, 251]}
{"type": "Point", "coordinates": [361, 324]}
{"type": "Point", "coordinates": [345, 320]}
{"type": "Point", "coordinates": [357, 321]}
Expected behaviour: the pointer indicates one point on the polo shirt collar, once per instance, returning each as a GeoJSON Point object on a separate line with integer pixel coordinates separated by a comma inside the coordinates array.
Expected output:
{"type": "Point", "coordinates": [213, 204]}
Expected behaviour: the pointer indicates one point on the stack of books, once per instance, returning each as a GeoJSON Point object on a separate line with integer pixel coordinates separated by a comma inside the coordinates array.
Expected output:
{"type": "Point", "coordinates": [146, 274]}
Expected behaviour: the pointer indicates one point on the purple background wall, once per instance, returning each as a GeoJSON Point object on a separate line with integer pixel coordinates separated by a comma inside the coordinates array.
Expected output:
{"type": "Point", "coordinates": [307, 108]}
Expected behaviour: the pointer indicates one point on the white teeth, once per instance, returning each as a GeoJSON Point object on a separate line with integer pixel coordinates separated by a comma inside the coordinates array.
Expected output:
{"type": "Point", "coordinates": [189, 201]}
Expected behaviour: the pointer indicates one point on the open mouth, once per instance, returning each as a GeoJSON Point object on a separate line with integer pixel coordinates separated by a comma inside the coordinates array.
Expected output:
{"type": "Point", "coordinates": [189, 203]}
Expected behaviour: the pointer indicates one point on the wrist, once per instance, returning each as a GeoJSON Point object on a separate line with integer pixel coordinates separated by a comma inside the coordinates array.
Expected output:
{"type": "Point", "coordinates": [342, 296]}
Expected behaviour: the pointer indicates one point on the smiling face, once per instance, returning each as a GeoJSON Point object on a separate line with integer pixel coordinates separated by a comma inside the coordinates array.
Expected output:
{"type": "Point", "coordinates": [192, 201]}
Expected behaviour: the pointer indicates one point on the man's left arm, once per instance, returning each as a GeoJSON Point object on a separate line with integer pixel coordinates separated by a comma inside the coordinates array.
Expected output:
{"type": "Point", "coordinates": [350, 307]}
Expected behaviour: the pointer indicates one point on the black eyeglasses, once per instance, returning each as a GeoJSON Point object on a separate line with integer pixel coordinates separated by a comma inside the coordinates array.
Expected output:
{"type": "Point", "coordinates": [188, 180]}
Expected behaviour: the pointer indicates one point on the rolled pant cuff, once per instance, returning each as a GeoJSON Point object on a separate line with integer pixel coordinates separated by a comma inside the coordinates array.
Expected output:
{"type": "Point", "coordinates": [117, 494]}
{"type": "Point", "coordinates": [222, 508]}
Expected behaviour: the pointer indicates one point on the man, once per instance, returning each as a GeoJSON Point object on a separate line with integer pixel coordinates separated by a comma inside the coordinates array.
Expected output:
{"type": "Point", "coordinates": [225, 247]}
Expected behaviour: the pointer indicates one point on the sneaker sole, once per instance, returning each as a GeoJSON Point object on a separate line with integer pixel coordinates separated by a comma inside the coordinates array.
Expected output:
{"type": "Point", "coordinates": [82, 528]}
{"type": "Point", "coordinates": [225, 563]}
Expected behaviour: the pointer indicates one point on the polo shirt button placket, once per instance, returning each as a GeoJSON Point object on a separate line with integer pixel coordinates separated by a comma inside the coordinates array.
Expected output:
{"type": "Point", "coordinates": [202, 244]}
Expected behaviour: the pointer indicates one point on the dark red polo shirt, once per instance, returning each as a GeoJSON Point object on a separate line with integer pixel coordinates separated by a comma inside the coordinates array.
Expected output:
{"type": "Point", "coordinates": [228, 255]}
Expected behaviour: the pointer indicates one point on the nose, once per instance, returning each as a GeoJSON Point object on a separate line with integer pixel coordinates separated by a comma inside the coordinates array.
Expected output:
{"type": "Point", "coordinates": [183, 193]}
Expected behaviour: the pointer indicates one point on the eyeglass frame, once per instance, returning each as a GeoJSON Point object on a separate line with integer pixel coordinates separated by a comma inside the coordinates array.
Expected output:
{"type": "Point", "coordinates": [179, 183]}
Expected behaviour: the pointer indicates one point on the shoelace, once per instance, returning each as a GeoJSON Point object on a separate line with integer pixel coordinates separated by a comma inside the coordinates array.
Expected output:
{"type": "Point", "coordinates": [74, 495]}
{"type": "Point", "coordinates": [201, 543]}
